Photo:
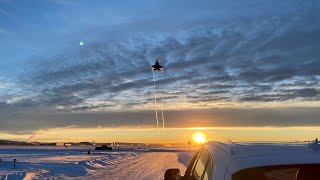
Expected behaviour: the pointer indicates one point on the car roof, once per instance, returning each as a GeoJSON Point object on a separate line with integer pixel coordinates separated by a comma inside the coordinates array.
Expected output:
{"type": "Point", "coordinates": [245, 155]}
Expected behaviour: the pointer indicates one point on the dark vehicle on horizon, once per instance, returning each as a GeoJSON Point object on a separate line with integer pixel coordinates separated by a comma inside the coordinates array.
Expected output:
{"type": "Point", "coordinates": [252, 161]}
{"type": "Point", "coordinates": [103, 148]}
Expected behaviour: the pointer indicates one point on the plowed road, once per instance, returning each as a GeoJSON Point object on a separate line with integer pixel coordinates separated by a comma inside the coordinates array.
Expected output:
{"type": "Point", "coordinates": [146, 166]}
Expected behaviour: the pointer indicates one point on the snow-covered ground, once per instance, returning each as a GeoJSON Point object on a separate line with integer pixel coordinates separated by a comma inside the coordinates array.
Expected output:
{"type": "Point", "coordinates": [75, 163]}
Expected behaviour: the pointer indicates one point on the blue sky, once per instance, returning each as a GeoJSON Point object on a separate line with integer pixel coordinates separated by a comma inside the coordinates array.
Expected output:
{"type": "Point", "coordinates": [226, 63]}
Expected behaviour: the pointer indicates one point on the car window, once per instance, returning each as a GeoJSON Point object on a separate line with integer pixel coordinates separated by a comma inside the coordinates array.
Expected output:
{"type": "Point", "coordinates": [280, 172]}
{"type": "Point", "coordinates": [192, 163]}
{"type": "Point", "coordinates": [209, 170]}
{"type": "Point", "coordinates": [201, 165]}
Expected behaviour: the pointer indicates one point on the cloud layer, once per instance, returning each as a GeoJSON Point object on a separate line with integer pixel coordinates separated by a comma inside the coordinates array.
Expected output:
{"type": "Point", "coordinates": [226, 55]}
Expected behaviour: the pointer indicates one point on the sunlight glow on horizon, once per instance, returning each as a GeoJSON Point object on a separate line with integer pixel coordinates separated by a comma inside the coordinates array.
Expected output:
{"type": "Point", "coordinates": [171, 135]}
{"type": "Point", "coordinates": [199, 137]}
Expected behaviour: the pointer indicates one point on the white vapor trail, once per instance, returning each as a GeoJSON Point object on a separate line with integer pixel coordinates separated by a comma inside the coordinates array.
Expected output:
{"type": "Point", "coordinates": [162, 110]}
{"type": "Point", "coordinates": [155, 98]}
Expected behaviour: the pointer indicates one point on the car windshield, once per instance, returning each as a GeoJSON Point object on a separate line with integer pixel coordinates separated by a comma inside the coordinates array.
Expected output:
{"type": "Point", "coordinates": [280, 172]}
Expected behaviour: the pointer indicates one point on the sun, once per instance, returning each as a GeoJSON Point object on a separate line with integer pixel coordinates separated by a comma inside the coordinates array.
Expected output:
{"type": "Point", "coordinates": [199, 137]}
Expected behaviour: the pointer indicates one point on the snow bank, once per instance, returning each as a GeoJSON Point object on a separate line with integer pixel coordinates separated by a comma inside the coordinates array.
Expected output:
{"type": "Point", "coordinates": [185, 158]}
{"type": "Point", "coordinates": [68, 163]}
{"type": "Point", "coordinates": [55, 163]}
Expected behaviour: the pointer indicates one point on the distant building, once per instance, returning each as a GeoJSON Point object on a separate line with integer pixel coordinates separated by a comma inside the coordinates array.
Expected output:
{"type": "Point", "coordinates": [59, 144]}
{"type": "Point", "coordinates": [85, 143]}
{"type": "Point", "coordinates": [62, 144]}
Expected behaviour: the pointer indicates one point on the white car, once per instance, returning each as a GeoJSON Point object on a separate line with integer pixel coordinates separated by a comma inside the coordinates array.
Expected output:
{"type": "Point", "coordinates": [252, 161]}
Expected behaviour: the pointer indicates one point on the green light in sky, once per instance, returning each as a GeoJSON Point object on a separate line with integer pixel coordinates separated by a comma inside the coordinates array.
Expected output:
{"type": "Point", "coordinates": [81, 43]}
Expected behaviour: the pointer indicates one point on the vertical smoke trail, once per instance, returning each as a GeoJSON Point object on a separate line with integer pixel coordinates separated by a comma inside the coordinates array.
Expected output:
{"type": "Point", "coordinates": [32, 137]}
{"type": "Point", "coordinates": [162, 110]}
{"type": "Point", "coordinates": [155, 98]}
{"type": "Point", "coordinates": [162, 116]}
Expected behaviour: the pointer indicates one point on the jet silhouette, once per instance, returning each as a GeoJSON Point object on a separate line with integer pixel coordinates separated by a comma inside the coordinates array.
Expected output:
{"type": "Point", "coordinates": [157, 66]}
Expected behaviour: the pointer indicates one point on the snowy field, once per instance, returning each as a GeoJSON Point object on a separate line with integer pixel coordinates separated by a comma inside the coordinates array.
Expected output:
{"type": "Point", "coordinates": [75, 163]}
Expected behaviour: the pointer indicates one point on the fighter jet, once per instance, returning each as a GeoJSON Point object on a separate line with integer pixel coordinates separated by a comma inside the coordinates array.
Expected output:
{"type": "Point", "coordinates": [157, 66]}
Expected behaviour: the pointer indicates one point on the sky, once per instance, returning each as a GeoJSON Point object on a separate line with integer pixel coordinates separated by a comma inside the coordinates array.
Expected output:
{"type": "Point", "coordinates": [227, 64]}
